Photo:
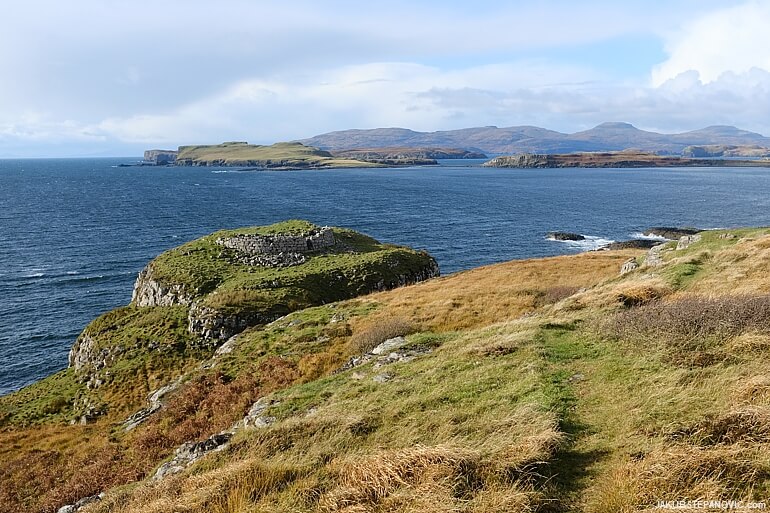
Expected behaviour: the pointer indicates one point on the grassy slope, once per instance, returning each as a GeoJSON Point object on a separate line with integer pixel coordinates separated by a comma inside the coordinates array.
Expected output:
{"type": "Point", "coordinates": [277, 155]}
{"type": "Point", "coordinates": [543, 390]}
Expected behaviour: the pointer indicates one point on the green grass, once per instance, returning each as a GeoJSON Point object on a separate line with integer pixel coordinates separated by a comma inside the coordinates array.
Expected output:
{"type": "Point", "coordinates": [48, 400]}
{"type": "Point", "coordinates": [279, 155]}
{"type": "Point", "coordinates": [359, 264]}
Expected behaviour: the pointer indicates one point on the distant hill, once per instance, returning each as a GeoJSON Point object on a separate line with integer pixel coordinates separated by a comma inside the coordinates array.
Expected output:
{"type": "Point", "coordinates": [613, 136]}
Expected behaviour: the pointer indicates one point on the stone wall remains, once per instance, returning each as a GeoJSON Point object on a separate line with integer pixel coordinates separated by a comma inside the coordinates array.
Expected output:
{"type": "Point", "coordinates": [278, 250]}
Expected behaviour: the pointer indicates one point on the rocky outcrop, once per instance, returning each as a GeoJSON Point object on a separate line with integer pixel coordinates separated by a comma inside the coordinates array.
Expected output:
{"type": "Point", "coordinates": [686, 241]}
{"type": "Point", "coordinates": [290, 245]}
{"type": "Point", "coordinates": [214, 325]}
{"type": "Point", "coordinates": [670, 233]}
{"type": "Point", "coordinates": [160, 157]}
{"type": "Point", "coordinates": [90, 361]}
{"type": "Point", "coordinates": [655, 255]}
{"type": "Point", "coordinates": [84, 353]}
{"type": "Point", "coordinates": [631, 244]}
{"type": "Point", "coordinates": [564, 236]}
{"type": "Point", "coordinates": [150, 292]}
{"type": "Point", "coordinates": [155, 402]}
{"type": "Point", "coordinates": [85, 501]}
{"type": "Point", "coordinates": [628, 266]}
{"type": "Point", "coordinates": [393, 350]}
{"type": "Point", "coordinates": [190, 452]}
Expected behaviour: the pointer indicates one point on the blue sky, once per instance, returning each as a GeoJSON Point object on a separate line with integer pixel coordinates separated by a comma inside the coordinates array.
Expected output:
{"type": "Point", "coordinates": [109, 77]}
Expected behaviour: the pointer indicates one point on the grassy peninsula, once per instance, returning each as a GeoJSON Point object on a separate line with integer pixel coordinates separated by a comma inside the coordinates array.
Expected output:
{"type": "Point", "coordinates": [548, 385]}
{"type": "Point", "coordinates": [284, 155]}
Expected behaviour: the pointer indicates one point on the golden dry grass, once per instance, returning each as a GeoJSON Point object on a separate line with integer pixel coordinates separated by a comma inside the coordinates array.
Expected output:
{"type": "Point", "coordinates": [498, 293]}
{"type": "Point", "coordinates": [519, 406]}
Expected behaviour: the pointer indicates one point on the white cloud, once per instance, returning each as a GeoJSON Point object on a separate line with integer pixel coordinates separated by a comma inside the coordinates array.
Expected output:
{"type": "Point", "coordinates": [735, 39]}
{"type": "Point", "coordinates": [107, 75]}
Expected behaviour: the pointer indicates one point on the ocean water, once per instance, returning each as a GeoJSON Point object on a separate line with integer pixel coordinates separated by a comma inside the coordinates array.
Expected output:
{"type": "Point", "coordinates": [75, 232]}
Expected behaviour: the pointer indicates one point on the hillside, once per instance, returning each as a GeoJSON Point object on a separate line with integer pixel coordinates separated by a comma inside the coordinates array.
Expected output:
{"type": "Point", "coordinates": [276, 156]}
{"type": "Point", "coordinates": [546, 385]}
{"type": "Point", "coordinates": [731, 151]}
{"type": "Point", "coordinates": [528, 139]}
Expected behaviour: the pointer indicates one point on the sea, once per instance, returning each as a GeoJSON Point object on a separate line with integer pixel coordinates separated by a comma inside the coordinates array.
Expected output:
{"type": "Point", "coordinates": [74, 233]}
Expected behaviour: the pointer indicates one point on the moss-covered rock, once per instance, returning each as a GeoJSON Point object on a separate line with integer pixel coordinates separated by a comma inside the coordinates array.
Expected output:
{"type": "Point", "coordinates": [233, 279]}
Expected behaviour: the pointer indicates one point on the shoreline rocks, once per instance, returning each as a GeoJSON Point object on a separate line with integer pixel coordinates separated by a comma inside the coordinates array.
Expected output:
{"type": "Point", "coordinates": [670, 233]}
{"type": "Point", "coordinates": [562, 236]}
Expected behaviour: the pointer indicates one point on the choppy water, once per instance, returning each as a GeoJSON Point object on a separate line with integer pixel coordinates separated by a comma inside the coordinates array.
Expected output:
{"type": "Point", "coordinates": [74, 232]}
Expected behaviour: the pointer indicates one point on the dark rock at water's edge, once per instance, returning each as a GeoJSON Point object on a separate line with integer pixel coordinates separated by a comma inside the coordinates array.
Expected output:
{"type": "Point", "coordinates": [564, 236]}
{"type": "Point", "coordinates": [631, 244]}
{"type": "Point", "coordinates": [670, 233]}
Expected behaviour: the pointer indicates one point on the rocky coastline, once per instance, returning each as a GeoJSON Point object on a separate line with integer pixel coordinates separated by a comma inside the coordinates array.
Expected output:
{"type": "Point", "coordinates": [622, 159]}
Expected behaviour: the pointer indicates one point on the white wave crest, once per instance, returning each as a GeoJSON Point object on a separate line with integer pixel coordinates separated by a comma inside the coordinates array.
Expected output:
{"type": "Point", "coordinates": [640, 235]}
{"type": "Point", "coordinates": [591, 242]}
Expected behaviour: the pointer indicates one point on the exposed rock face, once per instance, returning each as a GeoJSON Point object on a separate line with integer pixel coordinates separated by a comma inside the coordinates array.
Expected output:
{"type": "Point", "coordinates": [155, 401]}
{"type": "Point", "coordinates": [256, 417]}
{"type": "Point", "coordinates": [214, 325]}
{"type": "Point", "coordinates": [189, 452]}
{"type": "Point", "coordinates": [84, 353]}
{"type": "Point", "coordinates": [150, 292]}
{"type": "Point", "coordinates": [628, 266]}
{"type": "Point", "coordinates": [426, 273]}
{"type": "Point", "coordinates": [85, 501]}
{"type": "Point", "coordinates": [160, 157]}
{"type": "Point", "coordinates": [388, 352]}
{"type": "Point", "coordinates": [654, 255]}
{"type": "Point", "coordinates": [686, 241]}
{"type": "Point", "coordinates": [564, 236]}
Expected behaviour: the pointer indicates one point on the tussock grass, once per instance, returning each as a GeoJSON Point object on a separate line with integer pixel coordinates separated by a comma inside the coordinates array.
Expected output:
{"type": "Point", "coordinates": [377, 331]}
{"type": "Point", "coordinates": [678, 472]}
{"type": "Point", "coordinates": [695, 329]}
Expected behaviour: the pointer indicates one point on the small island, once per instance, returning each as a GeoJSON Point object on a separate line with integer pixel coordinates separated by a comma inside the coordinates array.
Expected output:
{"type": "Point", "coordinates": [295, 155]}
{"type": "Point", "coordinates": [618, 159]}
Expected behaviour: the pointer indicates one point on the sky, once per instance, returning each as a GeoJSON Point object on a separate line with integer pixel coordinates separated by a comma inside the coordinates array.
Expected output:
{"type": "Point", "coordinates": [114, 77]}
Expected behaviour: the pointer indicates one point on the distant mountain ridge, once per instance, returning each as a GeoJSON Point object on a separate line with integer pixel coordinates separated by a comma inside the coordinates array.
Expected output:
{"type": "Point", "coordinates": [611, 136]}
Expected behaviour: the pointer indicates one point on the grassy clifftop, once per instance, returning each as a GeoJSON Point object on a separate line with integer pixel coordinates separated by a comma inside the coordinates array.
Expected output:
{"type": "Point", "coordinates": [287, 155]}
{"type": "Point", "coordinates": [540, 385]}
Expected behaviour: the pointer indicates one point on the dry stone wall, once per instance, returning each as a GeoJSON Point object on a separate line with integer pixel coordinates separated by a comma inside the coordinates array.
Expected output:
{"type": "Point", "coordinates": [278, 250]}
